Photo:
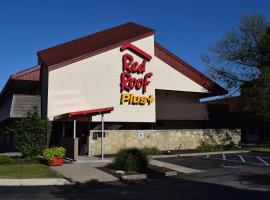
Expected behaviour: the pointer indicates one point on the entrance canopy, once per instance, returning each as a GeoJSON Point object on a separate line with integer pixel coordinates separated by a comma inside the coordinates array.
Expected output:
{"type": "Point", "coordinates": [81, 115]}
{"type": "Point", "coordinates": [84, 113]}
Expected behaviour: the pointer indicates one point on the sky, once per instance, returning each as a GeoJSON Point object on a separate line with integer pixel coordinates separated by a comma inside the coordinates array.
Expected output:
{"type": "Point", "coordinates": [185, 27]}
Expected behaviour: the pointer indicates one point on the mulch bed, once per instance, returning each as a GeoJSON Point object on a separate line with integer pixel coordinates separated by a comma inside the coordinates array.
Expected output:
{"type": "Point", "coordinates": [182, 151]}
{"type": "Point", "coordinates": [152, 171]}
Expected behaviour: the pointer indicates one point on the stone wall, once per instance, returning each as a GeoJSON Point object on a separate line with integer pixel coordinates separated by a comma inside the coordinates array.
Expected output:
{"type": "Point", "coordinates": [162, 139]}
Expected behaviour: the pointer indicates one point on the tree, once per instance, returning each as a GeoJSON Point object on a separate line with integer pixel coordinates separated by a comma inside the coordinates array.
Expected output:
{"type": "Point", "coordinates": [30, 133]}
{"type": "Point", "coordinates": [240, 62]}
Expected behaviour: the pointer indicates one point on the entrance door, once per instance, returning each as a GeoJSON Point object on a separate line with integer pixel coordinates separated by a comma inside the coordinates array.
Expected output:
{"type": "Point", "coordinates": [82, 134]}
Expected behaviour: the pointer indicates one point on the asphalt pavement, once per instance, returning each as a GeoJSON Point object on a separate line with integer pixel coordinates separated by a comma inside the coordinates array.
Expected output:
{"type": "Point", "coordinates": [220, 180]}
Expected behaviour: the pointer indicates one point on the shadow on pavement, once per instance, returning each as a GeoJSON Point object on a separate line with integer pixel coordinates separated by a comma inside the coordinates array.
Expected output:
{"type": "Point", "coordinates": [255, 180]}
{"type": "Point", "coordinates": [168, 188]}
{"type": "Point", "coordinates": [164, 188]}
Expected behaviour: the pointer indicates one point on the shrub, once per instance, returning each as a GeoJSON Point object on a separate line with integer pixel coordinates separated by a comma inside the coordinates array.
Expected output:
{"type": "Point", "coordinates": [4, 159]}
{"type": "Point", "coordinates": [217, 147]}
{"type": "Point", "coordinates": [206, 147]}
{"type": "Point", "coordinates": [131, 159]}
{"type": "Point", "coordinates": [50, 153]}
{"type": "Point", "coordinates": [231, 145]}
{"type": "Point", "coordinates": [151, 151]}
{"type": "Point", "coordinates": [30, 132]}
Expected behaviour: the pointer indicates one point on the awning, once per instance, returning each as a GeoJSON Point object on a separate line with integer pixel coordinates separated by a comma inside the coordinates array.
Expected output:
{"type": "Point", "coordinates": [84, 113]}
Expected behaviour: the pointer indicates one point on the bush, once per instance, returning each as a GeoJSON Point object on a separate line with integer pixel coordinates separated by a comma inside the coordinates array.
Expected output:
{"type": "Point", "coordinates": [217, 147]}
{"type": "Point", "coordinates": [4, 159]}
{"type": "Point", "coordinates": [151, 151]}
{"type": "Point", "coordinates": [230, 146]}
{"type": "Point", "coordinates": [30, 132]}
{"type": "Point", "coordinates": [206, 147]}
{"type": "Point", "coordinates": [131, 159]}
{"type": "Point", "coordinates": [50, 153]}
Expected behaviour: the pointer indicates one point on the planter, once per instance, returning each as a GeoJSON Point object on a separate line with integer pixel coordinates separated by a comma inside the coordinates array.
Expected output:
{"type": "Point", "coordinates": [57, 161]}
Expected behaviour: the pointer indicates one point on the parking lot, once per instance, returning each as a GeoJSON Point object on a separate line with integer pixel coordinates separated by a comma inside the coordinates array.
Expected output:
{"type": "Point", "coordinates": [243, 171]}
{"type": "Point", "coordinates": [235, 176]}
{"type": "Point", "coordinates": [221, 160]}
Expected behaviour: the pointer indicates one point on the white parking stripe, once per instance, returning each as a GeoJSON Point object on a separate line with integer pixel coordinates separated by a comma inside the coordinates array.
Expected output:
{"type": "Point", "coordinates": [264, 162]}
{"type": "Point", "coordinates": [238, 161]}
{"type": "Point", "coordinates": [223, 157]}
{"type": "Point", "coordinates": [241, 158]}
{"type": "Point", "coordinates": [263, 157]}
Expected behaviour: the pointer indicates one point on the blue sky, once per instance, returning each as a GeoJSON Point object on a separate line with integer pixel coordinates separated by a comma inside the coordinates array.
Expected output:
{"type": "Point", "coordinates": [186, 27]}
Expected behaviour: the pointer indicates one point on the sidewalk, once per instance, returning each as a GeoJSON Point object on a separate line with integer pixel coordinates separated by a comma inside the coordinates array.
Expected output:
{"type": "Point", "coordinates": [34, 182]}
{"type": "Point", "coordinates": [84, 172]}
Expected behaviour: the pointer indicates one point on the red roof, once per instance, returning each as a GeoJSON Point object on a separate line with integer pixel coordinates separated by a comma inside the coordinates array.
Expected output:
{"type": "Point", "coordinates": [90, 45]}
{"type": "Point", "coordinates": [30, 74]}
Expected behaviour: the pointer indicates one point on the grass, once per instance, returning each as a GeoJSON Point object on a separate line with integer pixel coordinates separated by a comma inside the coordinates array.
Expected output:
{"type": "Point", "coordinates": [259, 149]}
{"type": "Point", "coordinates": [23, 171]}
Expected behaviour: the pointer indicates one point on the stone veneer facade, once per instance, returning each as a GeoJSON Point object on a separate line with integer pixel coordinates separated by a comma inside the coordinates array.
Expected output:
{"type": "Point", "coordinates": [162, 139]}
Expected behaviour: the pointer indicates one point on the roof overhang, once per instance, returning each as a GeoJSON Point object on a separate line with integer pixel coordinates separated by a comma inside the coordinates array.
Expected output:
{"type": "Point", "coordinates": [84, 113]}
{"type": "Point", "coordinates": [21, 82]}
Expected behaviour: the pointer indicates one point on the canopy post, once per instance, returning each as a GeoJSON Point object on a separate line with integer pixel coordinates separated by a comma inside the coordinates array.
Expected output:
{"type": "Point", "coordinates": [74, 128]}
{"type": "Point", "coordinates": [102, 136]}
{"type": "Point", "coordinates": [63, 129]}
{"type": "Point", "coordinates": [89, 136]}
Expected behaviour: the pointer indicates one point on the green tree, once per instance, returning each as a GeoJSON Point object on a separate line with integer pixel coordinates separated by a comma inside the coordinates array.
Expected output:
{"type": "Point", "coordinates": [240, 62]}
{"type": "Point", "coordinates": [30, 133]}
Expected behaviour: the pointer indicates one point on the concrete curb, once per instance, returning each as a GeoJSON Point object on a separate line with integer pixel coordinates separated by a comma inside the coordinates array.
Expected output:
{"type": "Point", "coordinates": [34, 182]}
{"type": "Point", "coordinates": [199, 154]}
{"type": "Point", "coordinates": [178, 168]}
{"type": "Point", "coordinates": [134, 177]}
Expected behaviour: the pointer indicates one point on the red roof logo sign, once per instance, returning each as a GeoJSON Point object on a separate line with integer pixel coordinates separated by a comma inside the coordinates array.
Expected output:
{"type": "Point", "coordinates": [129, 81]}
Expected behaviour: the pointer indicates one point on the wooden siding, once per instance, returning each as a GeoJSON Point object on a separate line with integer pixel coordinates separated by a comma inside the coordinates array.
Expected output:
{"type": "Point", "coordinates": [21, 104]}
{"type": "Point", "coordinates": [173, 105]}
{"type": "Point", "coordinates": [5, 109]}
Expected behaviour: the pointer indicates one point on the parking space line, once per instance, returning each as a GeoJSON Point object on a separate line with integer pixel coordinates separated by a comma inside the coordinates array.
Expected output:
{"type": "Point", "coordinates": [263, 157]}
{"type": "Point", "coordinates": [252, 163]}
{"type": "Point", "coordinates": [223, 156]}
{"type": "Point", "coordinates": [241, 158]}
{"type": "Point", "coordinates": [264, 162]}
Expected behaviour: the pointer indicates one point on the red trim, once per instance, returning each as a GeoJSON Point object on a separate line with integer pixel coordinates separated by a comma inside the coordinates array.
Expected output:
{"type": "Point", "coordinates": [136, 49]}
{"type": "Point", "coordinates": [189, 71]}
{"type": "Point", "coordinates": [91, 112]}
